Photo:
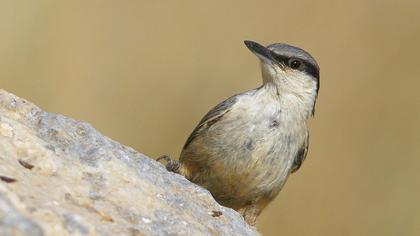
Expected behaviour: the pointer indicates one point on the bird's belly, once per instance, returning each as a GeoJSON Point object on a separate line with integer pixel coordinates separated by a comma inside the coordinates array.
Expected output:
{"type": "Point", "coordinates": [245, 162]}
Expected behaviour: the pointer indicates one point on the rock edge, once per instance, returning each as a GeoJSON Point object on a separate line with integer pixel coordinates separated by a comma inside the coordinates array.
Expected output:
{"type": "Point", "coordinates": [59, 176]}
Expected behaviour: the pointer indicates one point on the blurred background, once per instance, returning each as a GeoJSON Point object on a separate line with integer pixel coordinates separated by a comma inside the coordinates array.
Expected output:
{"type": "Point", "coordinates": [145, 72]}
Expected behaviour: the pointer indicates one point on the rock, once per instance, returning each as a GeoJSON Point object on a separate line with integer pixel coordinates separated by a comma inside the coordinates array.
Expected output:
{"type": "Point", "coordinates": [59, 176]}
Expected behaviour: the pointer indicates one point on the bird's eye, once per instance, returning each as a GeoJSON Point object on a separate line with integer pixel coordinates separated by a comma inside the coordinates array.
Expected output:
{"type": "Point", "coordinates": [294, 63]}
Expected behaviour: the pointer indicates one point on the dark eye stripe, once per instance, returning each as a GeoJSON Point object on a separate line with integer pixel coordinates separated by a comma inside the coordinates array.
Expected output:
{"type": "Point", "coordinates": [307, 67]}
{"type": "Point", "coordinates": [312, 70]}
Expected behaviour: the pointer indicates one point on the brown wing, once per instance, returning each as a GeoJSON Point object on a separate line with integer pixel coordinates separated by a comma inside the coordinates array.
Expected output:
{"type": "Point", "coordinates": [211, 118]}
{"type": "Point", "coordinates": [301, 155]}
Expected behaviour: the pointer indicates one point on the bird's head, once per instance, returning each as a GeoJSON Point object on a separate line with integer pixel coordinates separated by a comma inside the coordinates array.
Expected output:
{"type": "Point", "coordinates": [293, 72]}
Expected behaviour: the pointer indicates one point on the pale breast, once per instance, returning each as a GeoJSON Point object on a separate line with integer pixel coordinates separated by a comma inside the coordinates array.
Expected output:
{"type": "Point", "coordinates": [247, 153]}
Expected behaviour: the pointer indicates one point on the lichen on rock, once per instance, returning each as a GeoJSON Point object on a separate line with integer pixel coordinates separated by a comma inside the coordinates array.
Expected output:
{"type": "Point", "coordinates": [59, 176]}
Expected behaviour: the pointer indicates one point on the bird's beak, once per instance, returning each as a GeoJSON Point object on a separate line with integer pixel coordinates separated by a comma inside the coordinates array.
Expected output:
{"type": "Point", "coordinates": [260, 51]}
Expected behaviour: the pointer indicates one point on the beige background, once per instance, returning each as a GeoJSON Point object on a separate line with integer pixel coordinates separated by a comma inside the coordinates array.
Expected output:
{"type": "Point", "coordinates": [144, 73]}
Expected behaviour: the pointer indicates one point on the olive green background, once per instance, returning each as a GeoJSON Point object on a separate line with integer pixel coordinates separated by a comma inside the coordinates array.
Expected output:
{"type": "Point", "coordinates": [145, 72]}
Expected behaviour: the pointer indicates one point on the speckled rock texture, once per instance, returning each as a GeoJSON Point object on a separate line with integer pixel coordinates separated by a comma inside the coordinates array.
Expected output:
{"type": "Point", "coordinates": [59, 176]}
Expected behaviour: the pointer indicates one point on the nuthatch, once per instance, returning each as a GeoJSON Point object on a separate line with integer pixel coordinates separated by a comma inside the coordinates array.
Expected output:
{"type": "Point", "coordinates": [244, 149]}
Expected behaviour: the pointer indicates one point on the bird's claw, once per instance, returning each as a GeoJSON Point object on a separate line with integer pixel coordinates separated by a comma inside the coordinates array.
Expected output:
{"type": "Point", "coordinates": [171, 165]}
{"type": "Point", "coordinates": [164, 157]}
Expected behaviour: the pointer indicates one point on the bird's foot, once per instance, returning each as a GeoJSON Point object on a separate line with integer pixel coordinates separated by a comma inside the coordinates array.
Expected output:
{"type": "Point", "coordinates": [252, 210]}
{"type": "Point", "coordinates": [171, 165]}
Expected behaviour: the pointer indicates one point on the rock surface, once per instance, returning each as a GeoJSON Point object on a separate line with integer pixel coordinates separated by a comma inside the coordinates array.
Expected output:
{"type": "Point", "coordinates": [59, 176]}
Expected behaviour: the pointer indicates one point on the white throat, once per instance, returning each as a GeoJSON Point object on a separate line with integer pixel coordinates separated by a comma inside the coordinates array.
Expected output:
{"type": "Point", "coordinates": [295, 90]}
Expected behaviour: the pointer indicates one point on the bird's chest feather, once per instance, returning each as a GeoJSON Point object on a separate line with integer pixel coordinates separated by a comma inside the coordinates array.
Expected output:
{"type": "Point", "coordinates": [258, 132]}
{"type": "Point", "coordinates": [254, 146]}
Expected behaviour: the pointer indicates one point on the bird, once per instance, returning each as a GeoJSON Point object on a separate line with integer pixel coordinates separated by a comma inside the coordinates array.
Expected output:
{"type": "Point", "coordinates": [244, 149]}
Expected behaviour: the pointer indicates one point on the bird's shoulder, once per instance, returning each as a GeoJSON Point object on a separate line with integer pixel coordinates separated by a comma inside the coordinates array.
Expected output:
{"type": "Point", "coordinates": [215, 114]}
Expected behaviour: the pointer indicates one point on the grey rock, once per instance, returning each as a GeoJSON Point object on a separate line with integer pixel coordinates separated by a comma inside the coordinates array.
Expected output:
{"type": "Point", "coordinates": [59, 176]}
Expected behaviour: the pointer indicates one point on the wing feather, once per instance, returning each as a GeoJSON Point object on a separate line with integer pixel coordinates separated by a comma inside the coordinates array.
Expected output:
{"type": "Point", "coordinates": [301, 155]}
{"type": "Point", "coordinates": [211, 118]}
